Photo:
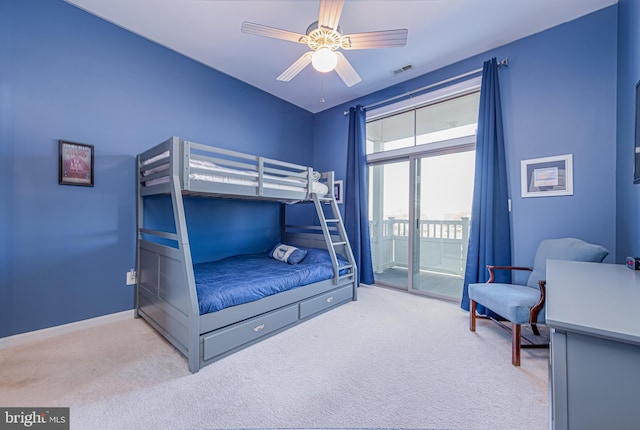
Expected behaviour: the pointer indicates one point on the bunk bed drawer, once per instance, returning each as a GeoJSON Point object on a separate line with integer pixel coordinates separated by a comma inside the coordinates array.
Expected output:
{"type": "Point", "coordinates": [325, 301]}
{"type": "Point", "coordinates": [226, 339]}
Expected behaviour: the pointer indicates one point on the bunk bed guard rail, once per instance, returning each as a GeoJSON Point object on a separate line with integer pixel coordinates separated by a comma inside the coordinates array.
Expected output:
{"type": "Point", "coordinates": [212, 170]}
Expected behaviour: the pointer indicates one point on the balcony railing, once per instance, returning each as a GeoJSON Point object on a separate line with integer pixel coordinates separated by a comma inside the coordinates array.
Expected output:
{"type": "Point", "coordinates": [443, 244]}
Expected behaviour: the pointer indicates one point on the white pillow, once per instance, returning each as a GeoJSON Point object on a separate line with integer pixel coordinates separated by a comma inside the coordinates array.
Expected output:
{"type": "Point", "coordinates": [288, 254]}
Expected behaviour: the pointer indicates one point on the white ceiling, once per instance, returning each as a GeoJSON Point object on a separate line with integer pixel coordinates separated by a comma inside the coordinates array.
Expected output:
{"type": "Point", "coordinates": [441, 32]}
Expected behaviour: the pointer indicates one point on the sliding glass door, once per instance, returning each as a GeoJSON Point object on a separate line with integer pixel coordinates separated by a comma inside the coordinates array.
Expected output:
{"type": "Point", "coordinates": [419, 222]}
{"type": "Point", "coordinates": [421, 166]}
{"type": "Point", "coordinates": [442, 210]}
{"type": "Point", "coordinates": [389, 200]}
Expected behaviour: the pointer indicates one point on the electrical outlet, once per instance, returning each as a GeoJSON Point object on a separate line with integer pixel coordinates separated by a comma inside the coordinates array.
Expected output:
{"type": "Point", "coordinates": [131, 277]}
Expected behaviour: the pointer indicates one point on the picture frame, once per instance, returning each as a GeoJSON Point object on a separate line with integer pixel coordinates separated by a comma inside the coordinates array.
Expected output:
{"type": "Point", "coordinates": [548, 176]}
{"type": "Point", "coordinates": [75, 163]}
{"type": "Point", "coordinates": [636, 146]}
{"type": "Point", "coordinates": [338, 191]}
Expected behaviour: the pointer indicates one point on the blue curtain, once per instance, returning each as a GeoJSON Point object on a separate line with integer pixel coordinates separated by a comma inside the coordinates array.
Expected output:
{"type": "Point", "coordinates": [490, 231]}
{"type": "Point", "coordinates": [356, 195]}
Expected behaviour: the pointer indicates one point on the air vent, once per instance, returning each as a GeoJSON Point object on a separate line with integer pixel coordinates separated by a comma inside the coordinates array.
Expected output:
{"type": "Point", "coordinates": [403, 69]}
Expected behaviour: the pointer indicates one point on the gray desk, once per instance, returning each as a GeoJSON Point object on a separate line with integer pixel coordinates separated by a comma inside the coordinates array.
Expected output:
{"type": "Point", "coordinates": [593, 310]}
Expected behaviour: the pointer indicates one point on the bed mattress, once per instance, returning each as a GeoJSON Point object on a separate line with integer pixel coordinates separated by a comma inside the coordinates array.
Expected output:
{"type": "Point", "coordinates": [245, 278]}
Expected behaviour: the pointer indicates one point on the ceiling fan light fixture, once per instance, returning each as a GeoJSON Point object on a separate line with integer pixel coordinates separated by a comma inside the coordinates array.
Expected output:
{"type": "Point", "coordinates": [324, 59]}
{"type": "Point", "coordinates": [325, 41]}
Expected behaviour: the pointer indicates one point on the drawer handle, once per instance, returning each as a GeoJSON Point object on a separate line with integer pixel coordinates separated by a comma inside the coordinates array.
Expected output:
{"type": "Point", "coordinates": [330, 299]}
{"type": "Point", "coordinates": [258, 328]}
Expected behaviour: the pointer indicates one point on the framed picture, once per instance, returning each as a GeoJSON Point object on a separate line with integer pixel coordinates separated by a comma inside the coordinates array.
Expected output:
{"type": "Point", "coordinates": [75, 163]}
{"type": "Point", "coordinates": [338, 190]}
{"type": "Point", "coordinates": [549, 176]}
{"type": "Point", "coordinates": [636, 155]}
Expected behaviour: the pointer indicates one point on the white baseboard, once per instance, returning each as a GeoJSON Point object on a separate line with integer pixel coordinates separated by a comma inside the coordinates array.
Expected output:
{"type": "Point", "coordinates": [34, 336]}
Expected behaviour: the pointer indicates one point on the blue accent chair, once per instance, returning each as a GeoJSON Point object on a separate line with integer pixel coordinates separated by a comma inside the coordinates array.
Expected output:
{"type": "Point", "coordinates": [525, 304]}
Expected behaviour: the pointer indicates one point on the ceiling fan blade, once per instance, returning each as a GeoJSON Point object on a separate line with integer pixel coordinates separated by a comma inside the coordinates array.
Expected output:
{"type": "Point", "coordinates": [296, 67]}
{"type": "Point", "coordinates": [376, 39]}
{"type": "Point", "coordinates": [346, 72]}
{"type": "Point", "coordinates": [276, 33]}
{"type": "Point", "coordinates": [330, 11]}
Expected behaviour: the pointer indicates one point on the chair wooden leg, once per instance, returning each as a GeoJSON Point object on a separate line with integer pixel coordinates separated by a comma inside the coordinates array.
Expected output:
{"type": "Point", "coordinates": [472, 316]}
{"type": "Point", "coordinates": [515, 344]}
{"type": "Point", "coordinates": [534, 329]}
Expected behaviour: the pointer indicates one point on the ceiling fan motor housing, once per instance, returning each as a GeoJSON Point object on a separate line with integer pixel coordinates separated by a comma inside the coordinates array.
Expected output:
{"type": "Point", "coordinates": [318, 37]}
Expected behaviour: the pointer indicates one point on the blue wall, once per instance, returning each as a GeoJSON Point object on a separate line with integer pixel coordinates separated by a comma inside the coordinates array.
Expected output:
{"type": "Point", "coordinates": [558, 97]}
{"type": "Point", "coordinates": [628, 211]}
{"type": "Point", "coordinates": [65, 74]}
{"type": "Point", "coordinates": [217, 228]}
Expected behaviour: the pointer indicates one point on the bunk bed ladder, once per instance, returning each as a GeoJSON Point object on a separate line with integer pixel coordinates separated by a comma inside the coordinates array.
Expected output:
{"type": "Point", "coordinates": [336, 226]}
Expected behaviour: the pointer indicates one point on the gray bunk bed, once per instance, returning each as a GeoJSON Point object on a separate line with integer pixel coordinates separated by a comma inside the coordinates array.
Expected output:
{"type": "Point", "coordinates": [166, 294]}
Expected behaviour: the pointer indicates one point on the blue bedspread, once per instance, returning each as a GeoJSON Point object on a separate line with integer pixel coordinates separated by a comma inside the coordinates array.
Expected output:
{"type": "Point", "coordinates": [245, 278]}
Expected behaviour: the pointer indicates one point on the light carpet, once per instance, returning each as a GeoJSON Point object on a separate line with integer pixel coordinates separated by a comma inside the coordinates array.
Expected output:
{"type": "Point", "coordinates": [388, 360]}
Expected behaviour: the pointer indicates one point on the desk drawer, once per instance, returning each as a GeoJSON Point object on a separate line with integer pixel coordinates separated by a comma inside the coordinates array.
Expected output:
{"type": "Point", "coordinates": [228, 338]}
{"type": "Point", "coordinates": [325, 301]}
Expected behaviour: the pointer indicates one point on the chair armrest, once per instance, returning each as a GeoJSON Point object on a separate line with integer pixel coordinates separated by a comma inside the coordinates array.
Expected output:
{"type": "Point", "coordinates": [492, 268]}
{"type": "Point", "coordinates": [533, 313]}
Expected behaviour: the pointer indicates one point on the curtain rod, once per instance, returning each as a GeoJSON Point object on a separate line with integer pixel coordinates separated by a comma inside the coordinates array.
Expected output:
{"type": "Point", "coordinates": [503, 63]}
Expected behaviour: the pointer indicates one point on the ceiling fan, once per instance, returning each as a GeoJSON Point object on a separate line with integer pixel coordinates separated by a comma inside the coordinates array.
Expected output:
{"type": "Point", "coordinates": [324, 38]}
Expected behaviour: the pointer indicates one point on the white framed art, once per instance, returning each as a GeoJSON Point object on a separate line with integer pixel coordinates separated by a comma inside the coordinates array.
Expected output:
{"type": "Point", "coordinates": [548, 176]}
